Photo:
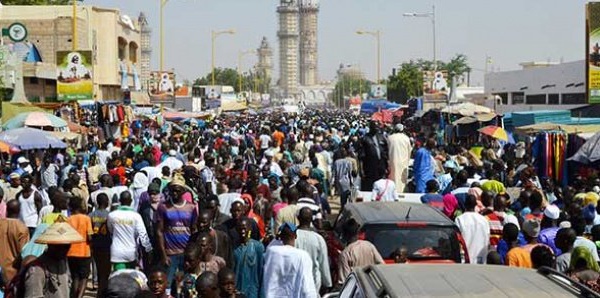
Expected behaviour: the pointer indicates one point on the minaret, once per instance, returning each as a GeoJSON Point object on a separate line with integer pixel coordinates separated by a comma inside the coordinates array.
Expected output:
{"type": "Point", "coordinates": [265, 59]}
{"type": "Point", "coordinates": [309, 11]}
{"type": "Point", "coordinates": [146, 50]}
{"type": "Point", "coordinates": [288, 48]}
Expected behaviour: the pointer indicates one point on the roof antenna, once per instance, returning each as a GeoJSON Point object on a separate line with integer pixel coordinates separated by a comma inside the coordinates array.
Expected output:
{"type": "Point", "coordinates": [408, 213]}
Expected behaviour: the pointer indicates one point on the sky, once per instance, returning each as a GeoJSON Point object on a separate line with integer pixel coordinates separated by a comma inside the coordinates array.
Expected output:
{"type": "Point", "coordinates": [508, 31]}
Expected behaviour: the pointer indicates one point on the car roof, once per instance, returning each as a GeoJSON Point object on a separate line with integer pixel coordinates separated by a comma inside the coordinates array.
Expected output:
{"type": "Point", "coordinates": [459, 280]}
{"type": "Point", "coordinates": [395, 212]}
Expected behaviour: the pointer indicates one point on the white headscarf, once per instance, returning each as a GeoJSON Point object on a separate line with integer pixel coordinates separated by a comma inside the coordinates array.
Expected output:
{"type": "Point", "coordinates": [139, 186]}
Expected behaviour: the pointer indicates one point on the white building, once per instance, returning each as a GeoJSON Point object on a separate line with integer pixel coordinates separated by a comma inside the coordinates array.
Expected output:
{"type": "Point", "coordinates": [537, 86]}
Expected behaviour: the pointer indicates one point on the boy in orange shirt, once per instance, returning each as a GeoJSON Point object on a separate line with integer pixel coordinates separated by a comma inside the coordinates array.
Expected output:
{"type": "Point", "coordinates": [79, 255]}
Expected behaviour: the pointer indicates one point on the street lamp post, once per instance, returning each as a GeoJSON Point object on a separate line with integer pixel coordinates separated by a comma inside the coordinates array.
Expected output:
{"type": "Point", "coordinates": [430, 15]}
{"type": "Point", "coordinates": [241, 55]}
{"type": "Point", "coordinates": [214, 35]}
{"type": "Point", "coordinates": [377, 35]}
{"type": "Point", "coordinates": [162, 36]}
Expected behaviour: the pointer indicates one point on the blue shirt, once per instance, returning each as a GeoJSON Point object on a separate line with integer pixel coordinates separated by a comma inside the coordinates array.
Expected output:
{"type": "Point", "coordinates": [547, 236]}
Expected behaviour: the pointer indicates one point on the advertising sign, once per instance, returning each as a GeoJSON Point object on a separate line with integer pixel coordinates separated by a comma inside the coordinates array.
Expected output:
{"type": "Point", "coordinates": [435, 85]}
{"type": "Point", "coordinates": [378, 92]}
{"type": "Point", "coordinates": [213, 97]}
{"type": "Point", "coordinates": [74, 75]}
{"type": "Point", "coordinates": [593, 51]}
{"type": "Point", "coordinates": [162, 84]}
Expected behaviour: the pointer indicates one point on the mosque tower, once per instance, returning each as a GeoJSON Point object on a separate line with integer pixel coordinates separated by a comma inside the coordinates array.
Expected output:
{"type": "Point", "coordinates": [265, 59]}
{"type": "Point", "coordinates": [146, 50]}
{"type": "Point", "coordinates": [288, 48]}
{"type": "Point", "coordinates": [309, 11]}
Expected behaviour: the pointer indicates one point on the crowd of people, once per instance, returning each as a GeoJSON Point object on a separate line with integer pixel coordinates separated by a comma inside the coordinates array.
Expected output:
{"type": "Point", "coordinates": [236, 208]}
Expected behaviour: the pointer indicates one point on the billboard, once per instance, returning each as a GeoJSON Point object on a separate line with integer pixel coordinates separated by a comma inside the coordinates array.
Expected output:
{"type": "Point", "coordinates": [74, 75]}
{"type": "Point", "coordinates": [378, 91]}
{"type": "Point", "coordinates": [593, 51]}
{"type": "Point", "coordinates": [435, 84]}
{"type": "Point", "coordinates": [162, 84]}
{"type": "Point", "coordinates": [213, 97]}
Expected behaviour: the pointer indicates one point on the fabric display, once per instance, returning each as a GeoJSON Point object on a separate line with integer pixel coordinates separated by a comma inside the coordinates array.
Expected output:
{"type": "Point", "coordinates": [550, 153]}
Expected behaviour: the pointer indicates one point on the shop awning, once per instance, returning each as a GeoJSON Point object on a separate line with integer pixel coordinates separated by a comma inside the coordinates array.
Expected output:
{"type": "Point", "coordinates": [535, 128]}
{"type": "Point", "coordinates": [466, 109]}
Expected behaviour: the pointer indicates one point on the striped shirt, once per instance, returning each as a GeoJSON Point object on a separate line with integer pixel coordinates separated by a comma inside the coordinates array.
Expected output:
{"type": "Point", "coordinates": [177, 223]}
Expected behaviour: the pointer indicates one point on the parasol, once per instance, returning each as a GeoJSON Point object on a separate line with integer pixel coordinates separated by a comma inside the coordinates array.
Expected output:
{"type": "Point", "coordinates": [589, 153]}
{"type": "Point", "coordinates": [29, 138]}
{"type": "Point", "coordinates": [494, 132]}
{"type": "Point", "coordinates": [7, 148]}
{"type": "Point", "coordinates": [34, 119]}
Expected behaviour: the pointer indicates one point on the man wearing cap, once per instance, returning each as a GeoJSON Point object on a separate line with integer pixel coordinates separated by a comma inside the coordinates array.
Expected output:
{"type": "Point", "coordinates": [175, 221]}
{"type": "Point", "coordinates": [172, 161]}
{"type": "Point", "coordinates": [24, 167]}
{"type": "Point", "coordinates": [288, 270]}
{"type": "Point", "coordinates": [549, 228]}
{"type": "Point", "coordinates": [13, 188]}
{"type": "Point", "coordinates": [48, 276]}
{"type": "Point", "coordinates": [400, 150]}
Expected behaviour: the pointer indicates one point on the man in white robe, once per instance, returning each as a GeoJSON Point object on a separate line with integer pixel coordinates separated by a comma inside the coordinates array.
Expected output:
{"type": "Point", "coordinates": [399, 157]}
{"type": "Point", "coordinates": [288, 270]}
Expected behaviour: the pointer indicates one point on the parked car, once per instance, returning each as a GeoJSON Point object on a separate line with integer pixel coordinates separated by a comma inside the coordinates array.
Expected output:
{"type": "Point", "coordinates": [427, 234]}
{"type": "Point", "coordinates": [409, 280]}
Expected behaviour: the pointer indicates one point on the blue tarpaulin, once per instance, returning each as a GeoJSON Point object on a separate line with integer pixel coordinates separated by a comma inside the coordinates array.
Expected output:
{"type": "Point", "coordinates": [372, 106]}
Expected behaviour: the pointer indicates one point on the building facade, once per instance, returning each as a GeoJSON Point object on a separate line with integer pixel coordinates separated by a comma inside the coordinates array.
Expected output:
{"type": "Point", "coordinates": [113, 38]}
{"type": "Point", "coordinates": [537, 86]}
{"type": "Point", "coordinates": [288, 48]}
{"type": "Point", "coordinates": [309, 13]}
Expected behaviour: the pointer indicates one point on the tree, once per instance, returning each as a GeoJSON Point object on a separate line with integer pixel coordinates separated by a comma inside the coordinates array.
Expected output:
{"type": "Point", "coordinates": [407, 83]}
{"type": "Point", "coordinates": [36, 2]}
{"type": "Point", "coordinates": [349, 85]}
{"type": "Point", "coordinates": [225, 77]}
{"type": "Point", "coordinates": [408, 80]}
{"type": "Point", "coordinates": [457, 67]}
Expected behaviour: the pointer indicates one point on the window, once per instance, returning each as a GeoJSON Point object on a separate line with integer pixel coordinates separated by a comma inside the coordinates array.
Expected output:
{"type": "Point", "coordinates": [573, 98]}
{"type": "Point", "coordinates": [518, 98]}
{"type": "Point", "coordinates": [133, 48]}
{"type": "Point", "coordinates": [33, 81]}
{"type": "Point", "coordinates": [421, 243]}
{"type": "Point", "coordinates": [537, 99]}
{"type": "Point", "coordinates": [504, 97]}
{"type": "Point", "coordinates": [122, 48]}
{"type": "Point", "coordinates": [553, 99]}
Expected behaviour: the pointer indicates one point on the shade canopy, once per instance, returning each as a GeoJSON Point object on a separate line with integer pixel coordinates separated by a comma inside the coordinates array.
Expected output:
{"type": "Point", "coordinates": [467, 109]}
{"type": "Point", "coordinates": [30, 138]}
{"type": "Point", "coordinates": [39, 119]}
